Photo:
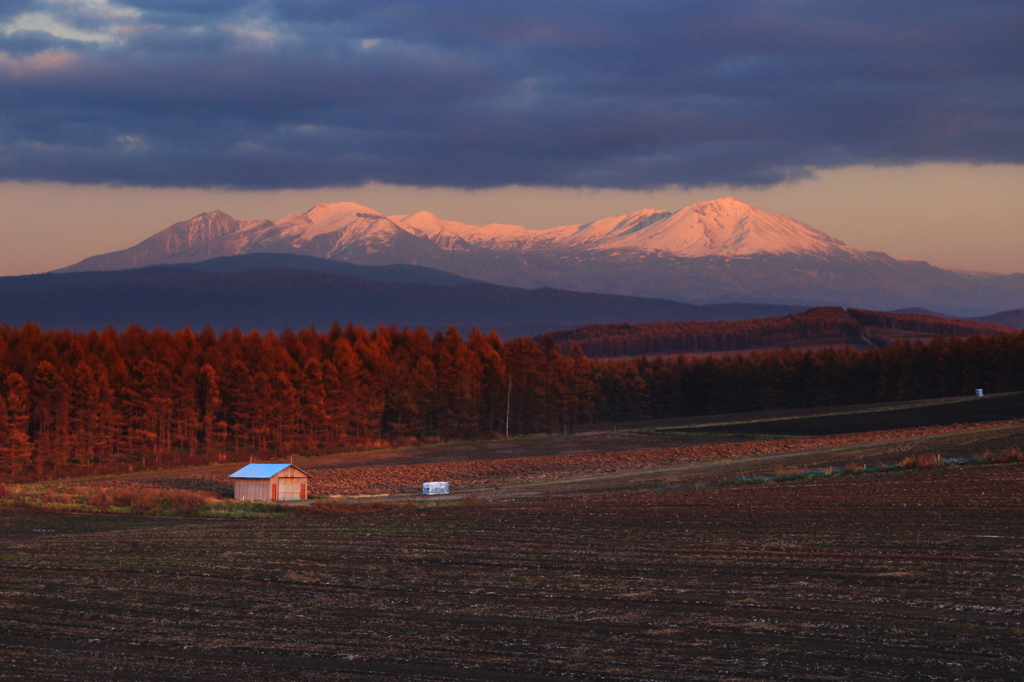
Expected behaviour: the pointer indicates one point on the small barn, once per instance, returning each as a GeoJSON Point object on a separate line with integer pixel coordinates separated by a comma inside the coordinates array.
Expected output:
{"type": "Point", "coordinates": [270, 482]}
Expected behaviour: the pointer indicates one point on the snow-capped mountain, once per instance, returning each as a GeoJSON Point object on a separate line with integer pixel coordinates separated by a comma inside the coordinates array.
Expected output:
{"type": "Point", "coordinates": [714, 251]}
{"type": "Point", "coordinates": [195, 236]}
{"type": "Point", "coordinates": [725, 227]}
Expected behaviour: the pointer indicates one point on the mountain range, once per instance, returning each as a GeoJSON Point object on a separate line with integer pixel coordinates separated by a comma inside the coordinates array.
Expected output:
{"type": "Point", "coordinates": [710, 252]}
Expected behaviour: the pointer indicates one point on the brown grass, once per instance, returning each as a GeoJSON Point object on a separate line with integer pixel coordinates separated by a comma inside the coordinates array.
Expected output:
{"type": "Point", "coordinates": [920, 461]}
{"type": "Point", "coordinates": [336, 507]}
{"type": "Point", "coordinates": [137, 499]}
{"type": "Point", "coordinates": [1011, 455]}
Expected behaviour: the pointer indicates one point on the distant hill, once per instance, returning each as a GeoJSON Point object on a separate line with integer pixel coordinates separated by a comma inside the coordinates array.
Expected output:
{"type": "Point", "coordinates": [923, 311]}
{"type": "Point", "coordinates": [273, 291]}
{"type": "Point", "coordinates": [400, 273]}
{"type": "Point", "coordinates": [1008, 318]}
{"type": "Point", "coordinates": [815, 327]}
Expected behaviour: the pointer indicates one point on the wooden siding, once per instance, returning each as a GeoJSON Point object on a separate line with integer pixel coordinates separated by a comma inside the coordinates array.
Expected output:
{"type": "Point", "coordinates": [253, 489]}
{"type": "Point", "coordinates": [289, 484]}
{"type": "Point", "coordinates": [289, 488]}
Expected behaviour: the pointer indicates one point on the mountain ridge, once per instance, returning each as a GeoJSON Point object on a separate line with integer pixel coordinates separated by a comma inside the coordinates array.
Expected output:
{"type": "Point", "coordinates": [724, 227]}
{"type": "Point", "coordinates": [710, 252]}
{"type": "Point", "coordinates": [274, 291]}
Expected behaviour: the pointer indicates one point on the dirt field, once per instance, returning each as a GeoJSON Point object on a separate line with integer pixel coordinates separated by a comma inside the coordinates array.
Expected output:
{"type": "Point", "coordinates": [914, 575]}
{"type": "Point", "coordinates": [585, 557]}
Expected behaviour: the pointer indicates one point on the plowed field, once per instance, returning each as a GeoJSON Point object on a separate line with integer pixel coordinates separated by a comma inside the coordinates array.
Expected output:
{"type": "Point", "coordinates": [914, 575]}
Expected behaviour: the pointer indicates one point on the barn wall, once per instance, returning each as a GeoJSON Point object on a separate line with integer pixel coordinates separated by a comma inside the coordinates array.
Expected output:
{"type": "Point", "coordinates": [293, 472]}
{"type": "Point", "coordinates": [254, 489]}
{"type": "Point", "coordinates": [290, 484]}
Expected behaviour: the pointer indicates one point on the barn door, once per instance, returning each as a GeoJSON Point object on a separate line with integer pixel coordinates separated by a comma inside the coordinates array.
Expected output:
{"type": "Point", "coordinates": [289, 488]}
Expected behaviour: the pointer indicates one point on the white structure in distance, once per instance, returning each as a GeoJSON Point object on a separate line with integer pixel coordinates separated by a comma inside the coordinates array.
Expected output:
{"type": "Point", "coordinates": [435, 488]}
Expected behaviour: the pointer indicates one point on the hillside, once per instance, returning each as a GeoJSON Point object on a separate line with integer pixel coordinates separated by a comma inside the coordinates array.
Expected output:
{"type": "Point", "coordinates": [1007, 318]}
{"type": "Point", "coordinates": [816, 327]}
{"type": "Point", "coordinates": [274, 291]}
{"type": "Point", "coordinates": [398, 273]}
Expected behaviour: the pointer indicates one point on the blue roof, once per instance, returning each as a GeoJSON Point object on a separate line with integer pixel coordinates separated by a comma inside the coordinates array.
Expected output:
{"type": "Point", "coordinates": [261, 470]}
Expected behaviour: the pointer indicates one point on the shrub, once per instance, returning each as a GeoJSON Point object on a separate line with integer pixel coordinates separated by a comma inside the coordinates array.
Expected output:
{"type": "Point", "coordinates": [101, 499]}
{"type": "Point", "coordinates": [1011, 455]}
{"type": "Point", "coordinates": [920, 461]}
{"type": "Point", "coordinates": [148, 499]}
{"type": "Point", "coordinates": [184, 500]}
{"type": "Point", "coordinates": [137, 499]}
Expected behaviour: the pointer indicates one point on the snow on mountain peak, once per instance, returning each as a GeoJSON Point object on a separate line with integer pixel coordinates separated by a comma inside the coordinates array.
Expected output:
{"type": "Point", "coordinates": [342, 208]}
{"type": "Point", "coordinates": [342, 217]}
{"type": "Point", "coordinates": [722, 227]}
{"type": "Point", "coordinates": [727, 227]}
{"type": "Point", "coordinates": [425, 222]}
{"type": "Point", "coordinates": [199, 229]}
{"type": "Point", "coordinates": [451, 234]}
{"type": "Point", "coordinates": [345, 230]}
{"type": "Point", "coordinates": [599, 231]}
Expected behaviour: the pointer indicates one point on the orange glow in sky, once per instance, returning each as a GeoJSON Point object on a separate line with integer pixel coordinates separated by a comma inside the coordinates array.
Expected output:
{"type": "Point", "coordinates": [956, 216]}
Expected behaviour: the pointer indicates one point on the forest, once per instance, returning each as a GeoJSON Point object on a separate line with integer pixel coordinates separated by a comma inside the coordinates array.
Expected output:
{"type": "Point", "coordinates": [106, 401]}
{"type": "Point", "coordinates": [818, 326]}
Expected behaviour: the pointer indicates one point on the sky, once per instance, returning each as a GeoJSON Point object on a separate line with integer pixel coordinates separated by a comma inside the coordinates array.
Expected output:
{"type": "Point", "coordinates": [896, 127]}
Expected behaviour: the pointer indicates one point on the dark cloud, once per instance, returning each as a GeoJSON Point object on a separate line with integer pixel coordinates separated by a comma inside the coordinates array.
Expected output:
{"type": "Point", "coordinates": [24, 43]}
{"type": "Point", "coordinates": [605, 94]}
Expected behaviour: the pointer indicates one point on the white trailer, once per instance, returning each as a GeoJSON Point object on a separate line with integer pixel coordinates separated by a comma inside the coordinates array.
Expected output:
{"type": "Point", "coordinates": [435, 488]}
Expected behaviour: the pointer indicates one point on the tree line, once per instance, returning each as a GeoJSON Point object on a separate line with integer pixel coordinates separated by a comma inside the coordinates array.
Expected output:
{"type": "Point", "coordinates": [106, 401]}
{"type": "Point", "coordinates": [643, 388]}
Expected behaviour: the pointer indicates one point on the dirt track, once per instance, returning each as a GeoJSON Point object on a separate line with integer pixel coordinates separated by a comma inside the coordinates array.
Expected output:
{"type": "Point", "coordinates": [964, 411]}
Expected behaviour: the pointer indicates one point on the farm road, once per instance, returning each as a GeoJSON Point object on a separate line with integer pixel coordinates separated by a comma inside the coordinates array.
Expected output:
{"type": "Point", "coordinates": [840, 418]}
{"type": "Point", "coordinates": [967, 442]}
{"type": "Point", "coordinates": [961, 411]}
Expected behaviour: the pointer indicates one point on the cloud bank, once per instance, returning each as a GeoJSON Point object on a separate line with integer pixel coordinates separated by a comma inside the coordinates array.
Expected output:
{"type": "Point", "coordinates": [314, 93]}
